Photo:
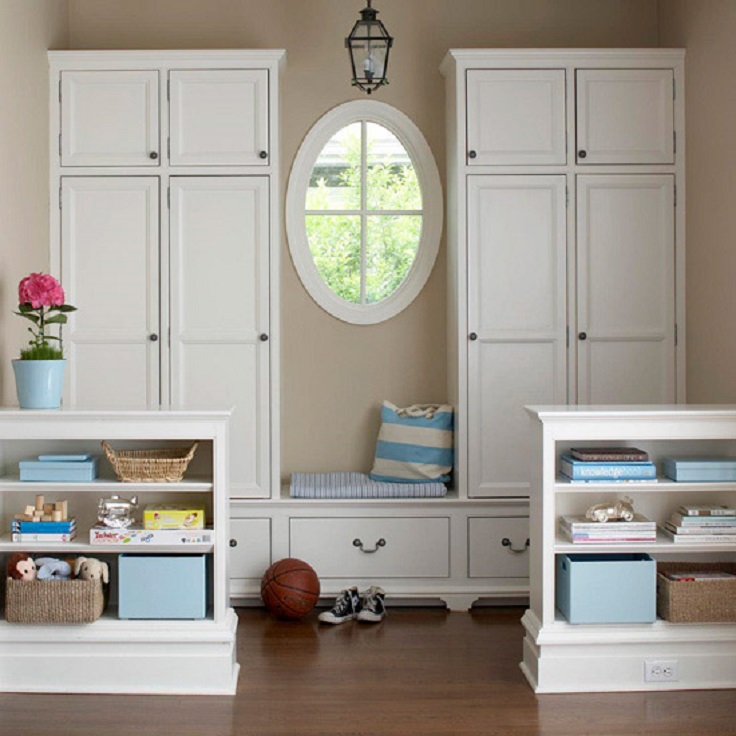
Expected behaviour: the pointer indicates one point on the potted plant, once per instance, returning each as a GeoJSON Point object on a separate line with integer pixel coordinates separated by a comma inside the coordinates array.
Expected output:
{"type": "Point", "coordinates": [39, 373]}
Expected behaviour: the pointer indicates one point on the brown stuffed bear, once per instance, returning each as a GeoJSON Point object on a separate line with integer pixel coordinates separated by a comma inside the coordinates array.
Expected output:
{"type": "Point", "coordinates": [21, 567]}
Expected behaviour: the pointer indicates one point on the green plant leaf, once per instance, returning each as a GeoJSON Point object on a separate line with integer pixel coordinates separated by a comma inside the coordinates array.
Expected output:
{"type": "Point", "coordinates": [33, 317]}
{"type": "Point", "coordinates": [26, 307]}
{"type": "Point", "coordinates": [57, 319]}
{"type": "Point", "coordinates": [66, 308]}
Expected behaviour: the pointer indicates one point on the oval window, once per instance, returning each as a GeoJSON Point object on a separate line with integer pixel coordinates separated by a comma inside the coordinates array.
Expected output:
{"type": "Point", "coordinates": [364, 212]}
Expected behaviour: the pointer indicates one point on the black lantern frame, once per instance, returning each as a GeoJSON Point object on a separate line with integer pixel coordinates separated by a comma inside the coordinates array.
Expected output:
{"type": "Point", "coordinates": [368, 46]}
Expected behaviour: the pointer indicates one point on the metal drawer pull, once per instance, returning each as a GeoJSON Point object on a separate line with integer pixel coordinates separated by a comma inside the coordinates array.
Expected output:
{"type": "Point", "coordinates": [358, 543]}
{"type": "Point", "coordinates": [506, 542]}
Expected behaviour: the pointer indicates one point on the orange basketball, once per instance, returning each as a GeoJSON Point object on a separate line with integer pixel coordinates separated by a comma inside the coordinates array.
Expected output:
{"type": "Point", "coordinates": [290, 589]}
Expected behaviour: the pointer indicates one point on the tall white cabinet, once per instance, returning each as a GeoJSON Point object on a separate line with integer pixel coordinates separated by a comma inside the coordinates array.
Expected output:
{"type": "Point", "coordinates": [165, 233]}
{"type": "Point", "coordinates": [565, 242]}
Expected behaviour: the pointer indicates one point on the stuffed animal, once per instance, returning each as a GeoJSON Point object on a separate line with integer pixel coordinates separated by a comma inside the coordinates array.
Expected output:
{"type": "Point", "coordinates": [90, 568]}
{"type": "Point", "coordinates": [51, 568]}
{"type": "Point", "coordinates": [21, 567]}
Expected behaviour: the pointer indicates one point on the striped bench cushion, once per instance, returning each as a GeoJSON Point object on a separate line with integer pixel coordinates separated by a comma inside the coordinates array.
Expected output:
{"type": "Point", "coordinates": [358, 485]}
{"type": "Point", "coordinates": [414, 444]}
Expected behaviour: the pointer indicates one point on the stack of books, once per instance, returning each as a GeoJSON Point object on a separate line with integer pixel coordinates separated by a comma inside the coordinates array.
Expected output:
{"type": "Point", "coordinates": [608, 465]}
{"type": "Point", "coordinates": [580, 530]}
{"type": "Point", "coordinates": [698, 524]}
{"type": "Point", "coordinates": [43, 531]}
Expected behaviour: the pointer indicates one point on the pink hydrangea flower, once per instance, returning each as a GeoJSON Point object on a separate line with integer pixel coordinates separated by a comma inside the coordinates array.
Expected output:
{"type": "Point", "coordinates": [40, 290]}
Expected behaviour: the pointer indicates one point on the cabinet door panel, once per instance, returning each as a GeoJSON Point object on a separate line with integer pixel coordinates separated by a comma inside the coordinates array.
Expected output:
{"type": "Point", "coordinates": [625, 116]}
{"type": "Point", "coordinates": [516, 116]}
{"type": "Point", "coordinates": [517, 309]}
{"type": "Point", "coordinates": [110, 271]}
{"type": "Point", "coordinates": [219, 117]}
{"type": "Point", "coordinates": [251, 556]}
{"type": "Point", "coordinates": [219, 310]}
{"type": "Point", "coordinates": [488, 557]}
{"type": "Point", "coordinates": [109, 118]}
{"type": "Point", "coordinates": [626, 298]}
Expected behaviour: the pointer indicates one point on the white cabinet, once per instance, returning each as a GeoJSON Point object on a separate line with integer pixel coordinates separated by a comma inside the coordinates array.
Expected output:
{"type": "Point", "coordinates": [517, 240]}
{"type": "Point", "coordinates": [174, 274]}
{"type": "Point", "coordinates": [109, 118]}
{"type": "Point", "coordinates": [564, 280]}
{"type": "Point", "coordinates": [625, 116]}
{"type": "Point", "coordinates": [626, 289]}
{"type": "Point", "coordinates": [563, 657]}
{"type": "Point", "coordinates": [516, 117]}
{"type": "Point", "coordinates": [110, 241]}
{"type": "Point", "coordinates": [219, 117]}
{"type": "Point", "coordinates": [107, 656]}
{"type": "Point", "coordinates": [219, 251]}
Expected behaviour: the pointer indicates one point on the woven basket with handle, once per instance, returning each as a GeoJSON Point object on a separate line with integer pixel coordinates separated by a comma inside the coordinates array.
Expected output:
{"type": "Point", "coordinates": [150, 466]}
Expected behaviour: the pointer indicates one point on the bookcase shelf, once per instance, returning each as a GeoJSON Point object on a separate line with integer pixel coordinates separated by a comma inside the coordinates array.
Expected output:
{"type": "Point", "coordinates": [564, 657]}
{"type": "Point", "coordinates": [113, 655]}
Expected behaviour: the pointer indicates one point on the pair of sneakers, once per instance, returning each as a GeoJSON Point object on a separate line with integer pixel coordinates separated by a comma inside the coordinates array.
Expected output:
{"type": "Point", "coordinates": [368, 606]}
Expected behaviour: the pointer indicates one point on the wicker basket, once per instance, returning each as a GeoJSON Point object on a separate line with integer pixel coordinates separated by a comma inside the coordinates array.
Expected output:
{"type": "Point", "coordinates": [53, 602]}
{"type": "Point", "coordinates": [696, 601]}
{"type": "Point", "coordinates": [150, 466]}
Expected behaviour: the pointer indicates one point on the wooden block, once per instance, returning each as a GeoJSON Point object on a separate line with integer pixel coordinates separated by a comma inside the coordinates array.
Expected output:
{"type": "Point", "coordinates": [29, 510]}
{"type": "Point", "coordinates": [48, 508]}
{"type": "Point", "coordinates": [39, 502]}
{"type": "Point", "coordinates": [62, 506]}
{"type": "Point", "coordinates": [57, 516]}
{"type": "Point", "coordinates": [24, 517]}
{"type": "Point", "coordinates": [47, 517]}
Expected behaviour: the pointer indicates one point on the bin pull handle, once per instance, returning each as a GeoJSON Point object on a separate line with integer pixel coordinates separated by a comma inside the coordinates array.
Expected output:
{"type": "Point", "coordinates": [359, 544]}
{"type": "Point", "coordinates": [506, 542]}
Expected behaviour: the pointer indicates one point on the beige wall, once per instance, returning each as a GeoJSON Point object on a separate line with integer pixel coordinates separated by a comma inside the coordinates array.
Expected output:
{"type": "Point", "coordinates": [334, 375]}
{"type": "Point", "coordinates": [707, 29]}
{"type": "Point", "coordinates": [27, 29]}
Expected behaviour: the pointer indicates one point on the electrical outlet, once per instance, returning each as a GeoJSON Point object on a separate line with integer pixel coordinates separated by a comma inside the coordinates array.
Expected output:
{"type": "Point", "coordinates": [661, 670]}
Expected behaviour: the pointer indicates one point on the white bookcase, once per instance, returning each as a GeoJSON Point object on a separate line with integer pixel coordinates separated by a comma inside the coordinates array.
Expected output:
{"type": "Point", "coordinates": [113, 655]}
{"type": "Point", "coordinates": [563, 657]}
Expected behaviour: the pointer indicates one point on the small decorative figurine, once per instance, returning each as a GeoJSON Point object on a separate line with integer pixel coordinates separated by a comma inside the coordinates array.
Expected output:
{"type": "Point", "coordinates": [21, 567]}
{"type": "Point", "coordinates": [621, 510]}
{"type": "Point", "coordinates": [116, 512]}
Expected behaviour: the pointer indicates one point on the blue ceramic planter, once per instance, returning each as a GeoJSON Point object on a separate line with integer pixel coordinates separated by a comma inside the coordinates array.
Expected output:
{"type": "Point", "coordinates": [39, 383]}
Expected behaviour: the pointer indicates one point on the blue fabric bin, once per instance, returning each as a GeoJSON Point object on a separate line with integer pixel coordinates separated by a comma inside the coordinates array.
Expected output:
{"type": "Point", "coordinates": [607, 588]}
{"type": "Point", "coordinates": [162, 586]}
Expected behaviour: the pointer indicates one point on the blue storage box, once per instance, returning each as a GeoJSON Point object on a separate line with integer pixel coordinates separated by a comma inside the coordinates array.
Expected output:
{"type": "Point", "coordinates": [162, 586]}
{"type": "Point", "coordinates": [58, 471]}
{"type": "Point", "coordinates": [607, 589]}
{"type": "Point", "coordinates": [700, 469]}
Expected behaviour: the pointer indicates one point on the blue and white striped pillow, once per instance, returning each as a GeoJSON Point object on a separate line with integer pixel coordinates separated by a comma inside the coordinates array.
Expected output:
{"type": "Point", "coordinates": [414, 444]}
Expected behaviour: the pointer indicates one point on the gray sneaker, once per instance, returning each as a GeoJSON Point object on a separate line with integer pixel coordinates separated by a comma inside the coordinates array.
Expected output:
{"type": "Point", "coordinates": [346, 608]}
{"type": "Point", "coordinates": [373, 608]}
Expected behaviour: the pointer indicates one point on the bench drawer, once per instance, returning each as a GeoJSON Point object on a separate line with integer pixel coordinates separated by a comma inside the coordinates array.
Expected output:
{"type": "Point", "coordinates": [488, 556]}
{"type": "Point", "coordinates": [416, 547]}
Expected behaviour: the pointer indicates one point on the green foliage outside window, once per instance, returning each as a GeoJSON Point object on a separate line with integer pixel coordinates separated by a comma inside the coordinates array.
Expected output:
{"type": "Point", "coordinates": [383, 236]}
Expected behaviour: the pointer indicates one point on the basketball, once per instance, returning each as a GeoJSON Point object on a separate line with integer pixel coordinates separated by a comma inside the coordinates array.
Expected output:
{"type": "Point", "coordinates": [290, 589]}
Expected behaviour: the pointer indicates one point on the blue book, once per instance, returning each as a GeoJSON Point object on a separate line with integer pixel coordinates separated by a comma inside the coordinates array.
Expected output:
{"type": "Point", "coordinates": [630, 470]}
{"type": "Point", "coordinates": [67, 458]}
{"type": "Point", "coordinates": [44, 527]}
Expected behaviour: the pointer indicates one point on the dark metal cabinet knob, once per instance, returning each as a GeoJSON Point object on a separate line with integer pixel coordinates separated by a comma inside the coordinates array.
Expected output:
{"type": "Point", "coordinates": [153, 155]}
{"type": "Point", "coordinates": [233, 542]}
{"type": "Point", "coordinates": [263, 337]}
{"type": "Point", "coordinates": [472, 154]}
{"type": "Point", "coordinates": [263, 154]}
{"type": "Point", "coordinates": [153, 337]}
{"type": "Point", "coordinates": [473, 336]}
{"type": "Point", "coordinates": [582, 336]}
{"type": "Point", "coordinates": [582, 154]}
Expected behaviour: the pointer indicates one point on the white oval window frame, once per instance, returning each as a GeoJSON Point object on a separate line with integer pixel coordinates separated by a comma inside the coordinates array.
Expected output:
{"type": "Point", "coordinates": [432, 210]}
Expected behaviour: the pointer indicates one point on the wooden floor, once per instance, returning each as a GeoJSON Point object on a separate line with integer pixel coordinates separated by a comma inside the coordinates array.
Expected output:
{"type": "Point", "coordinates": [421, 671]}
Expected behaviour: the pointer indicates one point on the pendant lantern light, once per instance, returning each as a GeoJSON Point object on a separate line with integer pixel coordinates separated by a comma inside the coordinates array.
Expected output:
{"type": "Point", "coordinates": [368, 45]}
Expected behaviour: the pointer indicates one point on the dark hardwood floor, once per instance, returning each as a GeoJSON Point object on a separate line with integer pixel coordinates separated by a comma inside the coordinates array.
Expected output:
{"type": "Point", "coordinates": [421, 671]}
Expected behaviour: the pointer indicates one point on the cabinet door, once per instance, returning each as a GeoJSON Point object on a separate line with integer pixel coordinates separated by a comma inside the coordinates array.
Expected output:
{"type": "Point", "coordinates": [516, 320]}
{"type": "Point", "coordinates": [110, 271]}
{"type": "Point", "coordinates": [109, 118]}
{"type": "Point", "coordinates": [516, 116]}
{"type": "Point", "coordinates": [219, 313]}
{"type": "Point", "coordinates": [625, 116]}
{"type": "Point", "coordinates": [219, 117]}
{"type": "Point", "coordinates": [626, 294]}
